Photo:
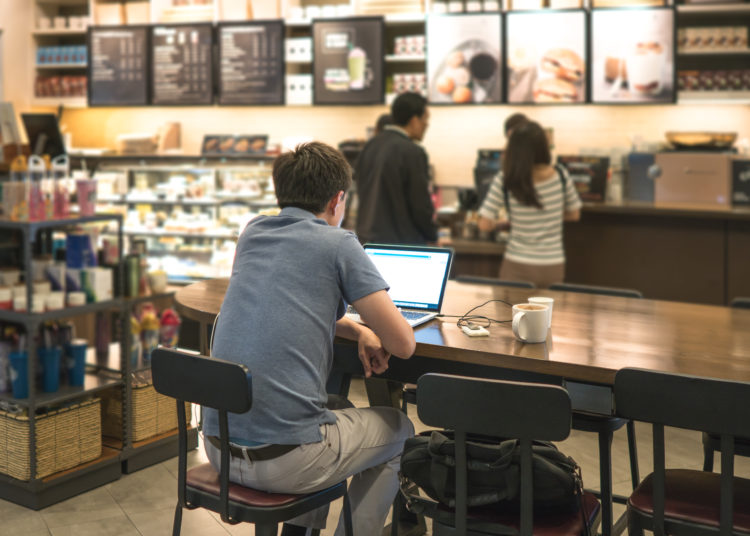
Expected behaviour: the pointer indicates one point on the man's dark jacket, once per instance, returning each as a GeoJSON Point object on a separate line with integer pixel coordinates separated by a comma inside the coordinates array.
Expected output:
{"type": "Point", "coordinates": [392, 184]}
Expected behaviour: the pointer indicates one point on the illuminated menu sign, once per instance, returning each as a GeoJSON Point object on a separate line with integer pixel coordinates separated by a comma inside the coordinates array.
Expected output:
{"type": "Point", "coordinates": [182, 64]}
{"type": "Point", "coordinates": [251, 63]}
{"type": "Point", "coordinates": [118, 66]}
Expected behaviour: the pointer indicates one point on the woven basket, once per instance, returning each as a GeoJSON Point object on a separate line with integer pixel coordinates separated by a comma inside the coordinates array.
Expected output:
{"type": "Point", "coordinates": [65, 438]}
{"type": "Point", "coordinates": [153, 413]}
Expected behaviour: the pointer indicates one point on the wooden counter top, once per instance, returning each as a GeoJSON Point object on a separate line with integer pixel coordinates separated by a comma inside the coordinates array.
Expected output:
{"type": "Point", "coordinates": [691, 210]}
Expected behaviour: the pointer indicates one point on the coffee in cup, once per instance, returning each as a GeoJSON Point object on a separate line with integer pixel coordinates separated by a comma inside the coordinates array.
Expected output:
{"type": "Point", "coordinates": [530, 322]}
{"type": "Point", "coordinates": [645, 67]}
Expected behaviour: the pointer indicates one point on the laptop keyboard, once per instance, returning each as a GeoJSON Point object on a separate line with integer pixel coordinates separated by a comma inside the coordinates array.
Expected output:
{"type": "Point", "coordinates": [413, 315]}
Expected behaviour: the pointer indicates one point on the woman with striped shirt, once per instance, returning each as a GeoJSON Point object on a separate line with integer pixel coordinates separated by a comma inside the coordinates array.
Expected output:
{"type": "Point", "coordinates": [537, 198]}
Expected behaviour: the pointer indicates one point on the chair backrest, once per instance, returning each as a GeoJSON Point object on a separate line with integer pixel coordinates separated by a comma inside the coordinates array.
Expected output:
{"type": "Point", "coordinates": [480, 280]}
{"type": "Point", "coordinates": [214, 383]}
{"type": "Point", "coordinates": [506, 409]}
{"type": "Point", "coordinates": [708, 405]}
{"type": "Point", "coordinates": [742, 303]}
{"type": "Point", "coordinates": [593, 289]}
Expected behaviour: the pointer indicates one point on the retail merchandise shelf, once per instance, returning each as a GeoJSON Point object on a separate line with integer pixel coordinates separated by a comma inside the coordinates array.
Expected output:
{"type": "Point", "coordinates": [61, 65]}
{"type": "Point", "coordinates": [67, 102]}
{"type": "Point", "coordinates": [155, 450]}
{"type": "Point", "coordinates": [58, 32]}
{"type": "Point", "coordinates": [91, 384]}
{"type": "Point", "coordinates": [38, 494]}
{"type": "Point", "coordinates": [299, 62]}
{"type": "Point", "coordinates": [57, 224]}
{"type": "Point", "coordinates": [744, 52]}
{"type": "Point", "coordinates": [150, 297]}
{"type": "Point", "coordinates": [712, 9]}
{"type": "Point", "coordinates": [38, 318]}
{"type": "Point", "coordinates": [176, 234]}
{"type": "Point", "coordinates": [404, 58]}
{"type": "Point", "coordinates": [713, 97]}
{"type": "Point", "coordinates": [207, 202]}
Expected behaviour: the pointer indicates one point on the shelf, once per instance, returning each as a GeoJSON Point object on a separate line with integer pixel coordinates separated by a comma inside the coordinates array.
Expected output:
{"type": "Point", "coordinates": [32, 226]}
{"type": "Point", "coordinates": [299, 62]}
{"type": "Point", "coordinates": [252, 200]}
{"type": "Point", "coordinates": [91, 384]}
{"type": "Point", "coordinates": [57, 32]}
{"type": "Point", "coordinates": [715, 53]}
{"type": "Point", "coordinates": [713, 97]}
{"type": "Point", "coordinates": [67, 102]}
{"type": "Point", "coordinates": [395, 19]}
{"type": "Point", "coordinates": [713, 9]}
{"type": "Point", "coordinates": [53, 66]}
{"type": "Point", "coordinates": [405, 58]}
{"type": "Point", "coordinates": [176, 234]}
{"type": "Point", "coordinates": [66, 312]}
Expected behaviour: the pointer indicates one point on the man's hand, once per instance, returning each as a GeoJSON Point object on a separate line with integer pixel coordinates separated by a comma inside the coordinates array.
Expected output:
{"type": "Point", "coordinates": [371, 352]}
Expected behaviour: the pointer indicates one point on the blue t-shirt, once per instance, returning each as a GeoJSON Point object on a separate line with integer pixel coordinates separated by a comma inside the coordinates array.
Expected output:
{"type": "Point", "coordinates": [292, 277]}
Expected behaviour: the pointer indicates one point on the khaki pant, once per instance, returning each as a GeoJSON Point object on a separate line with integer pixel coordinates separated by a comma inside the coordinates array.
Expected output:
{"type": "Point", "coordinates": [365, 444]}
{"type": "Point", "coordinates": [542, 276]}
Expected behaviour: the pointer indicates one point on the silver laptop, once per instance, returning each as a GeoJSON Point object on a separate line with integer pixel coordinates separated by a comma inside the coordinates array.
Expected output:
{"type": "Point", "coordinates": [416, 276]}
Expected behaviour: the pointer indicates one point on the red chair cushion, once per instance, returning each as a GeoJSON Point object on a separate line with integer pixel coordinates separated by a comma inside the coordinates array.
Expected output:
{"type": "Point", "coordinates": [546, 524]}
{"type": "Point", "coordinates": [205, 478]}
{"type": "Point", "coordinates": [694, 496]}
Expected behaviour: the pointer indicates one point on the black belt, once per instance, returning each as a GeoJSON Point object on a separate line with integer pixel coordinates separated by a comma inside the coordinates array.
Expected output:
{"type": "Point", "coordinates": [269, 452]}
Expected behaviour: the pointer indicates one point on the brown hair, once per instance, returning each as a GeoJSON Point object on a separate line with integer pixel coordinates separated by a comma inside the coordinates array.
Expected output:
{"type": "Point", "coordinates": [526, 147]}
{"type": "Point", "coordinates": [309, 176]}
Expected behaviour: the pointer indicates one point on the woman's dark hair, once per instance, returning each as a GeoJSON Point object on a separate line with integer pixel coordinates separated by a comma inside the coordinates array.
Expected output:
{"type": "Point", "coordinates": [526, 147]}
{"type": "Point", "coordinates": [513, 121]}
{"type": "Point", "coordinates": [309, 176]}
{"type": "Point", "coordinates": [383, 121]}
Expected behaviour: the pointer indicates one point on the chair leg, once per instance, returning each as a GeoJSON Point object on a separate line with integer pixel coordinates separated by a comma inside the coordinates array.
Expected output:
{"type": "Point", "coordinates": [634, 525]}
{"type": "Point", "coordinates": [633, 451]}
{"type": "Point", "coordinates": [266, 529]}
{"type": "Point", "coordinates": [708, 458]}
{"type": "Point", "coordinates": [348, 526]}
{"type": "Point", "coordinates": [605, 480]}
{"type": "Point", "coordinates": [177, 525]}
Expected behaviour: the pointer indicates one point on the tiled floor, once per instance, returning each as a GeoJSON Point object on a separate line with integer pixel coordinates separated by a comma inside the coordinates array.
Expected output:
{"type": "Point", "coordinates": [142, 504]}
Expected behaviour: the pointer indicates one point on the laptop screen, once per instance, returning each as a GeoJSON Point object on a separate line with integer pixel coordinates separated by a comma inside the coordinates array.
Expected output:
{"type": "Point", "coordinates": [417, 275]}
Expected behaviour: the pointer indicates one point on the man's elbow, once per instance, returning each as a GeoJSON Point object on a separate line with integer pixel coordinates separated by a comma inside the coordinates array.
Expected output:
{"type": "Point", "coordinates": [404, 347]}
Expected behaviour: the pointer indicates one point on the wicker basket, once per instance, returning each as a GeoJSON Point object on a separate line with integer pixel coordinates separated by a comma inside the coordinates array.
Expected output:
{"type": "Point", "coordinates": [153, 413]}
{"type": "Point", "coordinates": [65, 438]}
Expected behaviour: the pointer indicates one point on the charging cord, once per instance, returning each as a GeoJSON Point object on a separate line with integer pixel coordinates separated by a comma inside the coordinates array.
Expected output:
{"type": "Point", "coordinates": [469, 319]}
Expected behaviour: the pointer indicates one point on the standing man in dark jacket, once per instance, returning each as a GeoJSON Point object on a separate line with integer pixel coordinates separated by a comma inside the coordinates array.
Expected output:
{"type": "Point", "coordinates": [392, 179]}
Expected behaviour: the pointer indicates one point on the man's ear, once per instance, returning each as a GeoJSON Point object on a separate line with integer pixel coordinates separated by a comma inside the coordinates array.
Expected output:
{"type": "Point", "coordinates": [335, 200]}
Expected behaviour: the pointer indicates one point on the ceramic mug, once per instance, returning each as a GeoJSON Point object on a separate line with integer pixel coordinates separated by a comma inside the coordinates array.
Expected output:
{"type": "Point", "coordinates": [549, 302]}
{"type": "Point", "coordinates": [530, 322]}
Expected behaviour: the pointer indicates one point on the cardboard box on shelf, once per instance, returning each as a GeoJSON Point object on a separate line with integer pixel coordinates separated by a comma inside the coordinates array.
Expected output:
{"type": "Point", "coordinates": [109, 14]}
{"type": "Point", "coordinates": [137, 12]}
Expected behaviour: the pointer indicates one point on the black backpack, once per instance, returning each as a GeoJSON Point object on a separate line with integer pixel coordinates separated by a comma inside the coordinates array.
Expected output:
{"type": "Point", "coordinates": [494, 468]}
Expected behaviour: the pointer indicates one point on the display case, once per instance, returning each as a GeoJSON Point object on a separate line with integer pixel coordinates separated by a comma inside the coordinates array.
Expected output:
{"type": "Point", "coordinates": [188, 210]}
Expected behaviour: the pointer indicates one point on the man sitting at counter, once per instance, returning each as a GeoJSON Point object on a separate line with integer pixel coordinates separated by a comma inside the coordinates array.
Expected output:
{"type": "Point", "coordinates": [292, 277]}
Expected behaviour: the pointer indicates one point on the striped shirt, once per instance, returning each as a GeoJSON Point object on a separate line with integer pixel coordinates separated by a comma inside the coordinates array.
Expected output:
{"type": "Point", "coordinates": [535, 233]}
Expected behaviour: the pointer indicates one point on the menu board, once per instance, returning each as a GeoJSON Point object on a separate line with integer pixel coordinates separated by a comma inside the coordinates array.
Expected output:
{"type": "Point", "coordinates": [251, 63]}
{"type": "Point", "coordinates": [547, 57]}
{"type": "Point", "coordinates": [464, 58]}
{"type": "Point", "coordinates": [348, 61]}
{"type": "Point", "coordinates": [118, 67]}
{"type": "Point", "coordinates": [632, 54]}
{"type": "Point", "coordinates": [182, 64]}
{"type": "Point", "coordinates": [589, 175]}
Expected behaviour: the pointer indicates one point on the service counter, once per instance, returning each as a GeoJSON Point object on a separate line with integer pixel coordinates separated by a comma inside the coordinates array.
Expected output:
{"type": "Point", "coordinates": [679, 252]}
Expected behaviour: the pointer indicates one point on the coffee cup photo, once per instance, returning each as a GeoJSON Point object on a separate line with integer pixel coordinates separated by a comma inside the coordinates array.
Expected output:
{"type": "Point", "coordinates": [530, 322]}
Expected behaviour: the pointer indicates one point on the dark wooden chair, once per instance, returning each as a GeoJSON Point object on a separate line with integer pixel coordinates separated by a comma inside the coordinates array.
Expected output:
{"type": "Point", "coordinates": [226, 387]}
{"type": "Point", "coordinates": [592, 289]}
{"type": "Point", "coordinates": [606, 426]}
{"type": "Point", "coordinates": [525, 411]}
{"type": "Point", "coordinates": [741, 303]}
{"type": "Point", "coordinates": [480, 280]}
{"type": "Point", "coordinates": [712, 442]}
{"type": "Point", "coordinates": [683, 501]}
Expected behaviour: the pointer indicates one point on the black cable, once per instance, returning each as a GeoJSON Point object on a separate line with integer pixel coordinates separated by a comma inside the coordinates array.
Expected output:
{"type": "Point", "coordinates": [467, 318]}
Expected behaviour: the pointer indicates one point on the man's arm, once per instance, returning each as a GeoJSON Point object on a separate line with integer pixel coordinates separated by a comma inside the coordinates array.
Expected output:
{"type": "Point", "coordinates": [382, 317]}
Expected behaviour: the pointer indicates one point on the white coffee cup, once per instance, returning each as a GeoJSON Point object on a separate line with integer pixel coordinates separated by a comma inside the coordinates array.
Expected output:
{"type": "Point", "coordinates": [549, 302]}
{"type": "Point", "coordinates": [530, 322]}
{"type": "Point", "coordinates": [645, 65]}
